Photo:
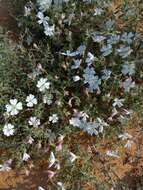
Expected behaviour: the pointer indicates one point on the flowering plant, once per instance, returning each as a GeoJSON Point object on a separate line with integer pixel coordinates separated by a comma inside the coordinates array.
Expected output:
{"type": "Point", "coordinates": [74, 70]}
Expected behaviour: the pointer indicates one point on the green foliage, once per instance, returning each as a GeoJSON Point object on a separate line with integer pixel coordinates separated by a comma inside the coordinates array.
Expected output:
{"type": "Point", "coordinates": [107, 45]}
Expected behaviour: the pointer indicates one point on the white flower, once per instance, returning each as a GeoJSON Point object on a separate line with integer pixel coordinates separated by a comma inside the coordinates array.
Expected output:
{"type": "Point", "coordinates": [101, 124]}
{"type": "Point", "coordinates": [73, 157]}
{"type": "Point", "coordinates": [106, 74]}
{"type": "Point", "coordinates": [69, 53]}
{"type": "Point", "coordinates": [128, 69]}
{"type": "Point", "coordinates": [92, 79]}
{"type": "Point", "coordinates": [129, 144]}
{"type": "Point", "coordinates": [31, 100]}
{"type": "Point", "coordinates": [106, 50]}
{"type": "Point", "coordinates": [98, 37]}
{"type": "Point", "coordinates": [57, 166]}
{"type": "Point", "coordinates": [54, 118]}
{"type": "Point", "coordinates": [52, 160]}
{"type": "Point", "coordinates": [118, 102]}
{"type": "Point", "coordinates": [34, 121]}
{"type": "Point", "coordinates": [76, 78]}
{"type": "Point", "coordinates": [60, 184]}
{"type": "Point", "coordinates": [90, 58]}
{"type": "Point", "coordinates": [43, 84]}
{"type": "Point", "coordinates": [47, 100]}
{"type": "Point", "coordinates": [28, 8]}
{"type": "Point", "coordinates": [42, 20]}
{"type": "Point", "coordinates": [124, 51]}
{"type": "Point", "coordinates": [8, 130]}
{"type": "Point", "coordinates": [49, 30]}
{"type": "Point", "coordinates": [61, 138]}
{"type": "Point", "coordinates": [44, 4]}
{"type": "Point", "coordinates": [98, 11]}
{"type": "Point", "coordinates": [77, 63]}
{"type": "Point", "coordinates": [14, 107]}
{"type": "Point", "coordinates": [4, 168]}
{"type": "Point", "coordinates": [51, 174]}
{"type": "Point", "coordinates": [128, 84]}
{"type": "Point", "coordinates": [30, 140]}
{"type": "Point", "coordinates": [40, 188]}
{"type": "Point", "coordinates": [114, 113]}
{"type": "Point", "coordinates": [81, 114]}
{"type": "Point", "coordinates": [75, 121]}
{"type": "Point", "coordinates": [25, 156]}
{"type": "Point", "coordinates": [112, 154]}
{"type": "Point", "coordinates": [125, 136]}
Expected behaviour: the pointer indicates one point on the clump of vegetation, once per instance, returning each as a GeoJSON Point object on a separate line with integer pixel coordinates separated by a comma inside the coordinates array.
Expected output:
{"type": "Point", "coordinates": [76, 71]}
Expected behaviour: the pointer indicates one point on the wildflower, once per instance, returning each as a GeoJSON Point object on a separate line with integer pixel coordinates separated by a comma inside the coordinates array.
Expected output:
{"type": "Point", "coordinates": [128, 69]}
{"type": "Point", "coordinates": [14, 107]}
{"type": "Point", "coordinates": [106, 74]}
{"type": "Point", "coordinates": [70, 54]}
{"type": "Point", "coordinates": [90, 128]}
{"type": "Point", "coordinates": [8, 130]}
{"type": "Point", "coordinates": [94, 83]}
{"type": "Point", "coordinates": [28, 8]}
{"type": "Point", "coordinates": [30, 140]}
{"type": "Point", "coordinates": [60, 143]}
{"type": "Point", "coordinates": [101, 124]}
{"type": "Point", "coordinates": [6, 166]}
{"type": "Point", "coordinates": [33, 121]}
{"type": "Point", "coordinates": [109, 24]}
{"type": "Point", "coordinates": [106, 50]}
{"type": "Point", "coordinates": [127, 37]}
{"type": "Point", "coordinates": [90, 58]}
{"type": "Point", "coordinates": [114, 113]}
{"type": "Point", "coordinates": [59, 147]}
{"type": "Point", "coordinates": [54, 118]}
{"type": "Point", "coordinates": [98, 37]}
{"type": "Point", "coordinates": [112, 154]}
{"type": "Point", "coordinates": [31, 100]}
{"type": "Point", "coordinates": [98, 11]}
{"type": "Point", "coordinates": [113, 39]}
{"type": "Point", "coordinates": [129, 144]}
{"type": "Point", "coordinates": [92, 79]}
{"type": "Point", "coordinates": [57, 166]}
{"type": "Point", "coordinates": [125, 136]}
{"type": "Point", "coordinates": [88, 71]}
{"type": "Point", "coordinates": [81, 114]}
{"type": "Point", "coordinates": [81, 49]}
{"type": "Point", "coordinates": [42, 19]}
{"type": "Point", "coordinates": [118, 102]}
{"type": "Point", "coordinates": [52, 160]}
{"type": "Point", "coordinates": [47, 99]}
{"type": "Point", "coordinates": [61, 138]}
{"type": "Point", "coordinates": [124, 51]}
{"type": "Point", "coordinates": [73, 157]}
{"type": "Point", "coordinates": [49, 30]}
{"type": "Point", "coordinates": [77, 63]}
{"type": "Point", "coordinates": [76, 78]}
{"type": "Point", "coordinates": [40, 188]}
{"type": "Point", "coordinates": [75, 121]}
{"type": "Point", "coordinates": [127, 112]}
{"type": "Point", "coordinates": [44, 4]}
{"type": "Point", "coordinates": [51, 174]}
{"type": "Point", "coordinates": [25, 157]}
{"type": "Point", "coordinates": [128, 84]}
{"type": "Point", "coordinates": [43, 84]}
{"type": "Point", "coordinates": [60, 184]}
